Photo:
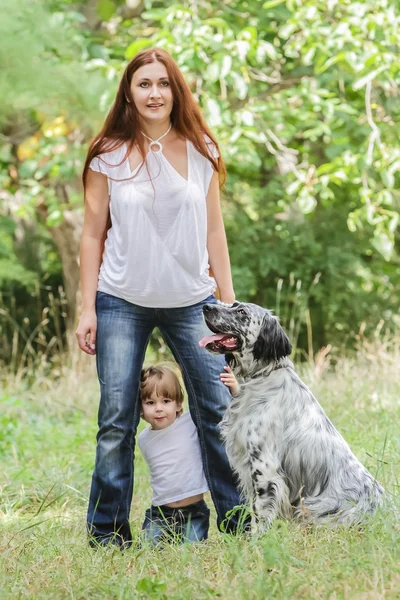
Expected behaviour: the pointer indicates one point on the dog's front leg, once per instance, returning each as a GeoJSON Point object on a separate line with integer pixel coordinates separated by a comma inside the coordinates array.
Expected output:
{"type": "Point", "coordinates": [271, 496]}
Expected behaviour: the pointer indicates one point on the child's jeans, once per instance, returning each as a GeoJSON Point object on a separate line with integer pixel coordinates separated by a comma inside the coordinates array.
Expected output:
{"type": "Point", "coordinates": [179, 525]}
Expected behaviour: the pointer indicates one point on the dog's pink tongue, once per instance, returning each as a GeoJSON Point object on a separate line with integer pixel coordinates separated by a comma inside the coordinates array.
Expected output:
{"type": "Point", "coordinates": [208, 339]}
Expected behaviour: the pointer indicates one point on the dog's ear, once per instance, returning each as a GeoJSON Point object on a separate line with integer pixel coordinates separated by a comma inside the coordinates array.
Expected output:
{"type": "Point", "coordinates": [272, 342]}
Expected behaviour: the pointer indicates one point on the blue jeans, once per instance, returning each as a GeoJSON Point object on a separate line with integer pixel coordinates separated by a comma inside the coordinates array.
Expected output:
{"type": "Point", "coordinates": [186, 524]}
{"type": "Point", "coordinates": [123, 332]}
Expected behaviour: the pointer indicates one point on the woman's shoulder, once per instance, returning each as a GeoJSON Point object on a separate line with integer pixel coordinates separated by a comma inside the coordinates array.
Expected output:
{"type": "Point", "coordinates": [212, 151]}
{"type": "Point", "coordinates": [211, 147]}
{"type": "Point", "coordinates": [111, 157]}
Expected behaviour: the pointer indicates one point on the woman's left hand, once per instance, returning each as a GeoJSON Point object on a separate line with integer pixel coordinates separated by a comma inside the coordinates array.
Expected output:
{"type": "Point", "coordinates": [227, 297]}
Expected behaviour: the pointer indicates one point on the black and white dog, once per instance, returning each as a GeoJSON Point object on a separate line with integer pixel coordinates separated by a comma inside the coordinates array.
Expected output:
{"type": "Point", "coordinates": [290, 459]}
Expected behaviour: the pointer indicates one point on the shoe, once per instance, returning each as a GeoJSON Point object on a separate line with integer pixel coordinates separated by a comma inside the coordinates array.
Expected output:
{"type": "Point", "coordinates": [114, 539]}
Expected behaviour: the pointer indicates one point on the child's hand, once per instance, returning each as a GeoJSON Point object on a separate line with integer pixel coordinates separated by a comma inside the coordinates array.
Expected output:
{"type": "Point", "coordinates": [229, 380]}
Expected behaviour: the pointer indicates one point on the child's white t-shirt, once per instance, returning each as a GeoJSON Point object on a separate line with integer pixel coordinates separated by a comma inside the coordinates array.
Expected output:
{"type": "Point", "coordinates": [174, 458]}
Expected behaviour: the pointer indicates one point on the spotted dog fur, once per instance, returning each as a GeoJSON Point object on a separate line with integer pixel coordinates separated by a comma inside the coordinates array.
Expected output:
{"type": "Point", "coordinates": [290, 459]}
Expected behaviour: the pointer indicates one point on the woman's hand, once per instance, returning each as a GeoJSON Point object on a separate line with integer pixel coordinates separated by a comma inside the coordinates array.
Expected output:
{"type": "Point", "coordinates": [230, 380]}
{"type": "Point", "coordinates": [86, 332]}
{"type": "Point", "coordinates": [227, 297]}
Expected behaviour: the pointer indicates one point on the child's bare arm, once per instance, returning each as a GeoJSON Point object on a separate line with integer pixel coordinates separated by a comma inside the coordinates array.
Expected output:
{"type": "Point", "coordinates": [230, 380]}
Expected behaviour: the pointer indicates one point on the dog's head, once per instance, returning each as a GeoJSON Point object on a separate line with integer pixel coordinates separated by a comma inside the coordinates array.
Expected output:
{"type": "Point", "coordinates": [249, 334]}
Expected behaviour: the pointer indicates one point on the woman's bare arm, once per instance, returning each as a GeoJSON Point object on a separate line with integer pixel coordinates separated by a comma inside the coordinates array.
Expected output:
{"type": "Point", "coordinates": [96, 214]}
{"type": "Point", "coordinates": [216, 243]}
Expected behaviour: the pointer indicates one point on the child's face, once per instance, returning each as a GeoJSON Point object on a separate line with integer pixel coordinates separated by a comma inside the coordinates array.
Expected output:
{"type": "Point", "coordinates": [159, 411]}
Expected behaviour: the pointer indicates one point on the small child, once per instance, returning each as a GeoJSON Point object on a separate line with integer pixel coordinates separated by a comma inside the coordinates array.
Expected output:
{"type": "Point", "coordinates": [170, 447]}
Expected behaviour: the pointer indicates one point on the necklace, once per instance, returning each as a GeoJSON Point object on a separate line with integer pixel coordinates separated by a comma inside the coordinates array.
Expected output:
{"type": "Point", "coordinates": [157, 142]}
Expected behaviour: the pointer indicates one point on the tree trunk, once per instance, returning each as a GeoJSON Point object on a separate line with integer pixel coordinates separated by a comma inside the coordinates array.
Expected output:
{"type": "Point", "coordinates": [66, 237]}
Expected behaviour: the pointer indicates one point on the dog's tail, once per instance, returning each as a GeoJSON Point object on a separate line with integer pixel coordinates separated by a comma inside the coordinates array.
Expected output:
{"type": "Point", "coordinates": [343, 511]}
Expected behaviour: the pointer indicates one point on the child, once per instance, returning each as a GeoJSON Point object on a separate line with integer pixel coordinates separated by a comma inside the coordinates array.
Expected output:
{"type": "Point", "coordinates": [170, 447]}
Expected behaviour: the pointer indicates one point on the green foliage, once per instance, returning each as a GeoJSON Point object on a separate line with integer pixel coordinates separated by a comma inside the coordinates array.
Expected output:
{"type": "Point", "coordinates": [301, 94]}
{"type": "Point", "coordinates": [29, 270]}
{"type": "Point", "coordinates": [44, 69]}
{"type": "Point", "coordinates": [151, 587]}
{"type": "Point", "coordinates": [11, 270]}
{"type": "Point", "coordinates": [302, 97]}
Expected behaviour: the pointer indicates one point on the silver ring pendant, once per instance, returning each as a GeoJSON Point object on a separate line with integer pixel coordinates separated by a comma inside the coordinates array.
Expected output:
{"type": "Point", "coordinates": [155, 143]}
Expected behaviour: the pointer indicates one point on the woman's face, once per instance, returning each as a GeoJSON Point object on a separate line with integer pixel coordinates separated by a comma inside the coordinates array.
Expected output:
{"type": "Point", "coordinates": [151, 92]}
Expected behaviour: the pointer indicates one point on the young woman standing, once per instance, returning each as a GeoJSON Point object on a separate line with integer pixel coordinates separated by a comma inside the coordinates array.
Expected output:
{"type": "Point", "coordinates": [153, 227]}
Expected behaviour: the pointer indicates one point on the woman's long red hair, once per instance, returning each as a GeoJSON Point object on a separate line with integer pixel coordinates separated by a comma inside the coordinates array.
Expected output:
{"type": "Point", "coordinates": [122, 124]}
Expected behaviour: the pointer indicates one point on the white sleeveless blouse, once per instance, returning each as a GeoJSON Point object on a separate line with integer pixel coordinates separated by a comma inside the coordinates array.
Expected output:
{"type": "Point", "coordinates": [156, 250]}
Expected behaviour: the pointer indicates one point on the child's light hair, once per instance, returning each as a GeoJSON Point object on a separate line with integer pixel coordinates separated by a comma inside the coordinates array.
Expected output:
{"type": "Point", "coordinates": [164, 382]}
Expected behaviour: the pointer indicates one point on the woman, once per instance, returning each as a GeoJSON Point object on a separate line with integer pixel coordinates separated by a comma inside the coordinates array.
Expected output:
{"type": "Point", "coordinates": [151, 182]}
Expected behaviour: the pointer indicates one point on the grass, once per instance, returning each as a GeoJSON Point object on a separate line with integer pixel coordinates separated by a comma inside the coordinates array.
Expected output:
{"type": "Point", "coordinates": [47, 444]}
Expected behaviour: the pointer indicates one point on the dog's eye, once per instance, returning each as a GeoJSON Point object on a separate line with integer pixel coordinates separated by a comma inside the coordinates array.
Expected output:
{"type": "Point", "coordinates": [242, 311]}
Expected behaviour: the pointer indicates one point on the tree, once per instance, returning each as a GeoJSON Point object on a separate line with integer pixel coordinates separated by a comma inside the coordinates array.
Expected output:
{"type": "Point", "coordinates": [52, 94]}
{"type": "Point", "coordinates": [301, 95]}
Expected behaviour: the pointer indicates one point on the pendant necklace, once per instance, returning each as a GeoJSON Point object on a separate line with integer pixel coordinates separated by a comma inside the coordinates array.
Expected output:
{"type": "Point", "coordinates": [157, 142]}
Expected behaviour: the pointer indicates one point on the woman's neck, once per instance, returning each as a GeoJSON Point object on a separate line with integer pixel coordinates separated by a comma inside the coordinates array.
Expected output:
{"type": "Point", "coordinates": [155, 130]}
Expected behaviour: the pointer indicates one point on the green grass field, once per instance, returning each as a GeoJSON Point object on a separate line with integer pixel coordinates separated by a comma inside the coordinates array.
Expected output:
{"type": "Point", "coordinates": [47, 445]}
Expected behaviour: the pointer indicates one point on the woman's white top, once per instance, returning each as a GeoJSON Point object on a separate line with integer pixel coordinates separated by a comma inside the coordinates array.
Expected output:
{"type": "Point", "coordinates": [174, 458]}
{"type": "Point", "coordinates": [156, 250]}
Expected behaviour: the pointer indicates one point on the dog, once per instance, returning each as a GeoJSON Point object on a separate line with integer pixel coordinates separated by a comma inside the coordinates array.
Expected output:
{"type": "Point", "coordinates": [289, 458]}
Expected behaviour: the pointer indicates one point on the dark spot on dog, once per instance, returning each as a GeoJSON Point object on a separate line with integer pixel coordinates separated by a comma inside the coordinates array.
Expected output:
{"type": "Point", "coordinates": [255, 454]}
{"type": "Point", "coordinates": [271, 488]}
{"type": "Point", "coordinates": [255, 475]}
{"type": "Point", "coordinates": [332, 511]}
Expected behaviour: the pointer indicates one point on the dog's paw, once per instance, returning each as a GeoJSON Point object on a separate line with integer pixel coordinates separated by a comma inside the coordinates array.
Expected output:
{"type": "Point", "coordinates": [253, 526]}
{"type": "Point", "coordinates": [260, 526]}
